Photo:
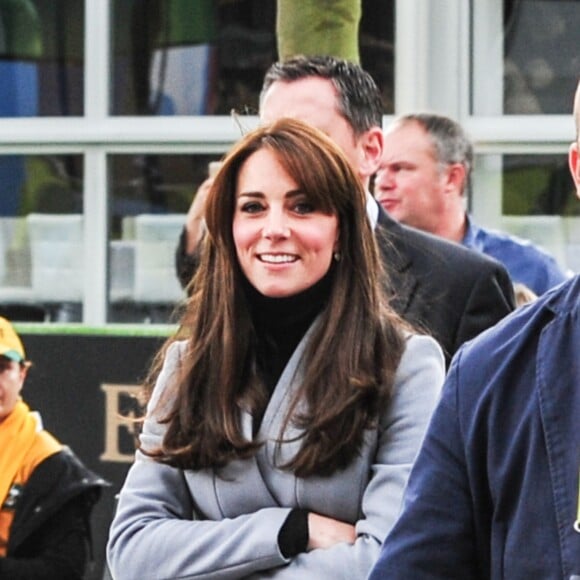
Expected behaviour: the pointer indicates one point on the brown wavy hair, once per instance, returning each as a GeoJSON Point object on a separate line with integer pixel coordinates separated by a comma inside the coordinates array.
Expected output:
{"type": "Point", "coordinates": [351, 359]}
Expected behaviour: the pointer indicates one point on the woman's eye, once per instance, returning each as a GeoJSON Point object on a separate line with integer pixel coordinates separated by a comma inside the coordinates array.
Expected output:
{"type": "Point", "coordinates": [304, 207]}
{"type": "Point", "coordinates": [251, 207]}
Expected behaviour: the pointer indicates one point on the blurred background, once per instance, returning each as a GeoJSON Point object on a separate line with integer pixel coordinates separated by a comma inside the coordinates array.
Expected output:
{"type": "Point", "coordinates": [111, 111]}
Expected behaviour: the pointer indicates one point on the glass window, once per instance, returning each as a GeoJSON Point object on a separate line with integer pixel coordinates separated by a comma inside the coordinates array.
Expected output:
{"type": "Point", "coordinates": [40, 184]}
{"type": "Point", "coordinates": [150, 196]}
{"type": "Point", "coordinates": [41, 237]}
{"type": "Point", "coordinates": [41, 58]}
{"type": "Point", "coordinates": [541, 55]}
{"type": "Point", "coordinates": [538, 185]}
{"type": "Point", "coordinates": [533, 69]}
{"type": "Point", "coordinates": [533, 197]}
{"type": "Point", "coordinates": [377, 47]}
{"type": "Point", "coordinates": [177, 57]}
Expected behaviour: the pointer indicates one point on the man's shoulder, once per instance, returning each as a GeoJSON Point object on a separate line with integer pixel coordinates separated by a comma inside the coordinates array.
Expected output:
{"type": "Point", "coordinates": [65, 468]}
{"type": "Point", "coordinates": [506, 246]}
{"type": "Point", "coordinates": [504, 340]}
{"type": "Point", "coordinates": [453, 292]}
{"type": "Point", "coordinates": [425, 248]}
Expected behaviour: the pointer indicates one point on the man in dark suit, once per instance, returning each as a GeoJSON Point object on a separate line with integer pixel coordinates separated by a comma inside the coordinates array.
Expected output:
{"type": "Point", "coordinates": [445, 289]}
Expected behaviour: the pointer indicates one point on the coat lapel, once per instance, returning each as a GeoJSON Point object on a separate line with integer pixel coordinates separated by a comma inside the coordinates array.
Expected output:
{"type": "Point", "coordinates": [256, 483]}
{"type": "Point", "coordinates": [279, 405]}
{"type": "Point", "coordinates": [397, 260]}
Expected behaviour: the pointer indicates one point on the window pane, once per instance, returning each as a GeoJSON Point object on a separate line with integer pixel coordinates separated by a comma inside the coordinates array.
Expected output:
{"type": "Point", "coordinates": [176, 57]}
{"type": "Point", "coordinates": [542, 55]}
{"type": "Point", "coordinates": [41, 58]}
{"type": "Point", "coordinates": [41, 237]}
{"type": "Point", "coordinates": [531, 196]}
{"type": "Point", "coordinates": [150, 196]}
{"type": "Point", "coordinates": [538, 184]}
{"type": "Point", "coordinates": [377, 47]}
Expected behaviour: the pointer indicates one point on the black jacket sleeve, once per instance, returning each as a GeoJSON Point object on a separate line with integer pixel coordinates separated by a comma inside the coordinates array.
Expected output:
{"type": "Point", "coordinates": [58, 549]}
{"type": "Point", "coordinates": [185, 264]}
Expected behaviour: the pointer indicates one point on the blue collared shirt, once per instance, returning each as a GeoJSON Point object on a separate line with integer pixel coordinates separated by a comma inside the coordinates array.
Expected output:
{"type": "Point", "coordinates": [525, 262]}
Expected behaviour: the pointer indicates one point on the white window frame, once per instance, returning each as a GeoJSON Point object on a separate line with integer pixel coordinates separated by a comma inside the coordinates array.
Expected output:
{"type": "Point", "coordinates": [432, 72]}
{"type": "Point", "coordinates": [97, 135]}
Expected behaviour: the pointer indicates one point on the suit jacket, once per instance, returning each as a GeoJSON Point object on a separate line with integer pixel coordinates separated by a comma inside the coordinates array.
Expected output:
{"type": "Point", "coordinates": [172, 523]}
{"type": "Point", "coordinates": [450, 291]}
{"type": "Point", "coordinates": [443, 288]}
{"type": "Point", "coordinates": [494, 492]}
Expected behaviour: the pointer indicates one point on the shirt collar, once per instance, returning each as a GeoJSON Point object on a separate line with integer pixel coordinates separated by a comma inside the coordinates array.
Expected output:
{"type": "Point", "coordinates": [471, 231]}
{"type": "Point", "coordinates": [372, 210]}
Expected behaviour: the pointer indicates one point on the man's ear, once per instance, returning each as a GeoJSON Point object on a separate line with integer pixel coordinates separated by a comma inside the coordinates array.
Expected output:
{"type": "Point", "coordinates": [371, 150]}
{"type": "Point", "coordinates": [24, 371]}
{"type": "Point", "coordinates": [574, 161]}
{"type": "Point", "coordinates": [455, 176]}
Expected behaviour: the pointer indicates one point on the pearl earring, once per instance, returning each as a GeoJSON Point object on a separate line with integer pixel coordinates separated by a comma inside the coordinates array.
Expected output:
{"type": "Point", "coordinates": [336, 256]}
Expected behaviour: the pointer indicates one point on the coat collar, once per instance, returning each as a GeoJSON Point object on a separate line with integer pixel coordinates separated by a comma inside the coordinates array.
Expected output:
{"type": "Point", "coordinates": [557, 379]}
{"type": "Point", "coordinates": [398, 260]}
{"type": "Point", "coordinates": [271, 454]}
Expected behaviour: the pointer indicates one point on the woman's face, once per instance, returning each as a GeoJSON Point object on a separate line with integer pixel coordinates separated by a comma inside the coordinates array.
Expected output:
{"type": "Point", "coordinates": [12, 376]}
{"type": "Point", "coordinates": [284, 244]}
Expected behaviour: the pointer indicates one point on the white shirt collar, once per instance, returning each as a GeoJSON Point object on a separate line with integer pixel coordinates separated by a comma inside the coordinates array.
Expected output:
{"type": "Point", "coordinates": [372, 210]}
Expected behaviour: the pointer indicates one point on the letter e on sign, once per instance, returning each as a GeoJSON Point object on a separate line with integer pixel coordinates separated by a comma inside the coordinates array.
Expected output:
{"type": "Point", "coordinates": [117, 420]}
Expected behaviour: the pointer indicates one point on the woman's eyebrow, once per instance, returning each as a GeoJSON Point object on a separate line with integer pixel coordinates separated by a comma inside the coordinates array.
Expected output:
{"type": "Point", "coordinates": [295, 193]}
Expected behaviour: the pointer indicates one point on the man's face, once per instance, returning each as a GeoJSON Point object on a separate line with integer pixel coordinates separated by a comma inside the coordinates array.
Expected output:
{"type": "Point", "coordinates": [409, 184]}
{"type": "Point", "coordinates": [12, 376]}
{"type": "Point", "coordinates": [313, 100]}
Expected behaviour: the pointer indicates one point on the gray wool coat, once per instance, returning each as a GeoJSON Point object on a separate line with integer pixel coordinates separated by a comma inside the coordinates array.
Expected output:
{"type": "Point", "coordinates": [173, 523]}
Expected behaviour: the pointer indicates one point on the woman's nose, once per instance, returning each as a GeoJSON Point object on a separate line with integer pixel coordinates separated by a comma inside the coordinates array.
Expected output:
{"type": "Point", "coordinates": [276, 226]}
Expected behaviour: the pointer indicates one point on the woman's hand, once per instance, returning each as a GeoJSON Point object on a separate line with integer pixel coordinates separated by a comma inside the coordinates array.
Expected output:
{"type": "Point", "coordinates": [326, 532]}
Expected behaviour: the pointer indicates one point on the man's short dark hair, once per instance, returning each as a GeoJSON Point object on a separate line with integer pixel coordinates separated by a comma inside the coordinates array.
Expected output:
{"type": "Point", "coordinates": [359, 99]}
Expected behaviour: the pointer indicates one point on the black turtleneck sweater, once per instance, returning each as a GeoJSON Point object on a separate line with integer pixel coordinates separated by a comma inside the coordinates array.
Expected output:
{"type": "Point", "coordinates": [280, 324]}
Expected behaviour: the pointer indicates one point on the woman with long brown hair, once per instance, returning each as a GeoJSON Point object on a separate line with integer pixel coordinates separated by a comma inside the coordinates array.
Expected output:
{"type": "Point", "coordinates": [291, 403]}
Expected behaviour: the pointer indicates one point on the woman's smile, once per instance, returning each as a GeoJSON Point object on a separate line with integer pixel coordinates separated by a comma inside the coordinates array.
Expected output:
{"type": "Point", "coordinates": [283, 243]}
{"type": "Point", "coordinates": [278, 258]}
